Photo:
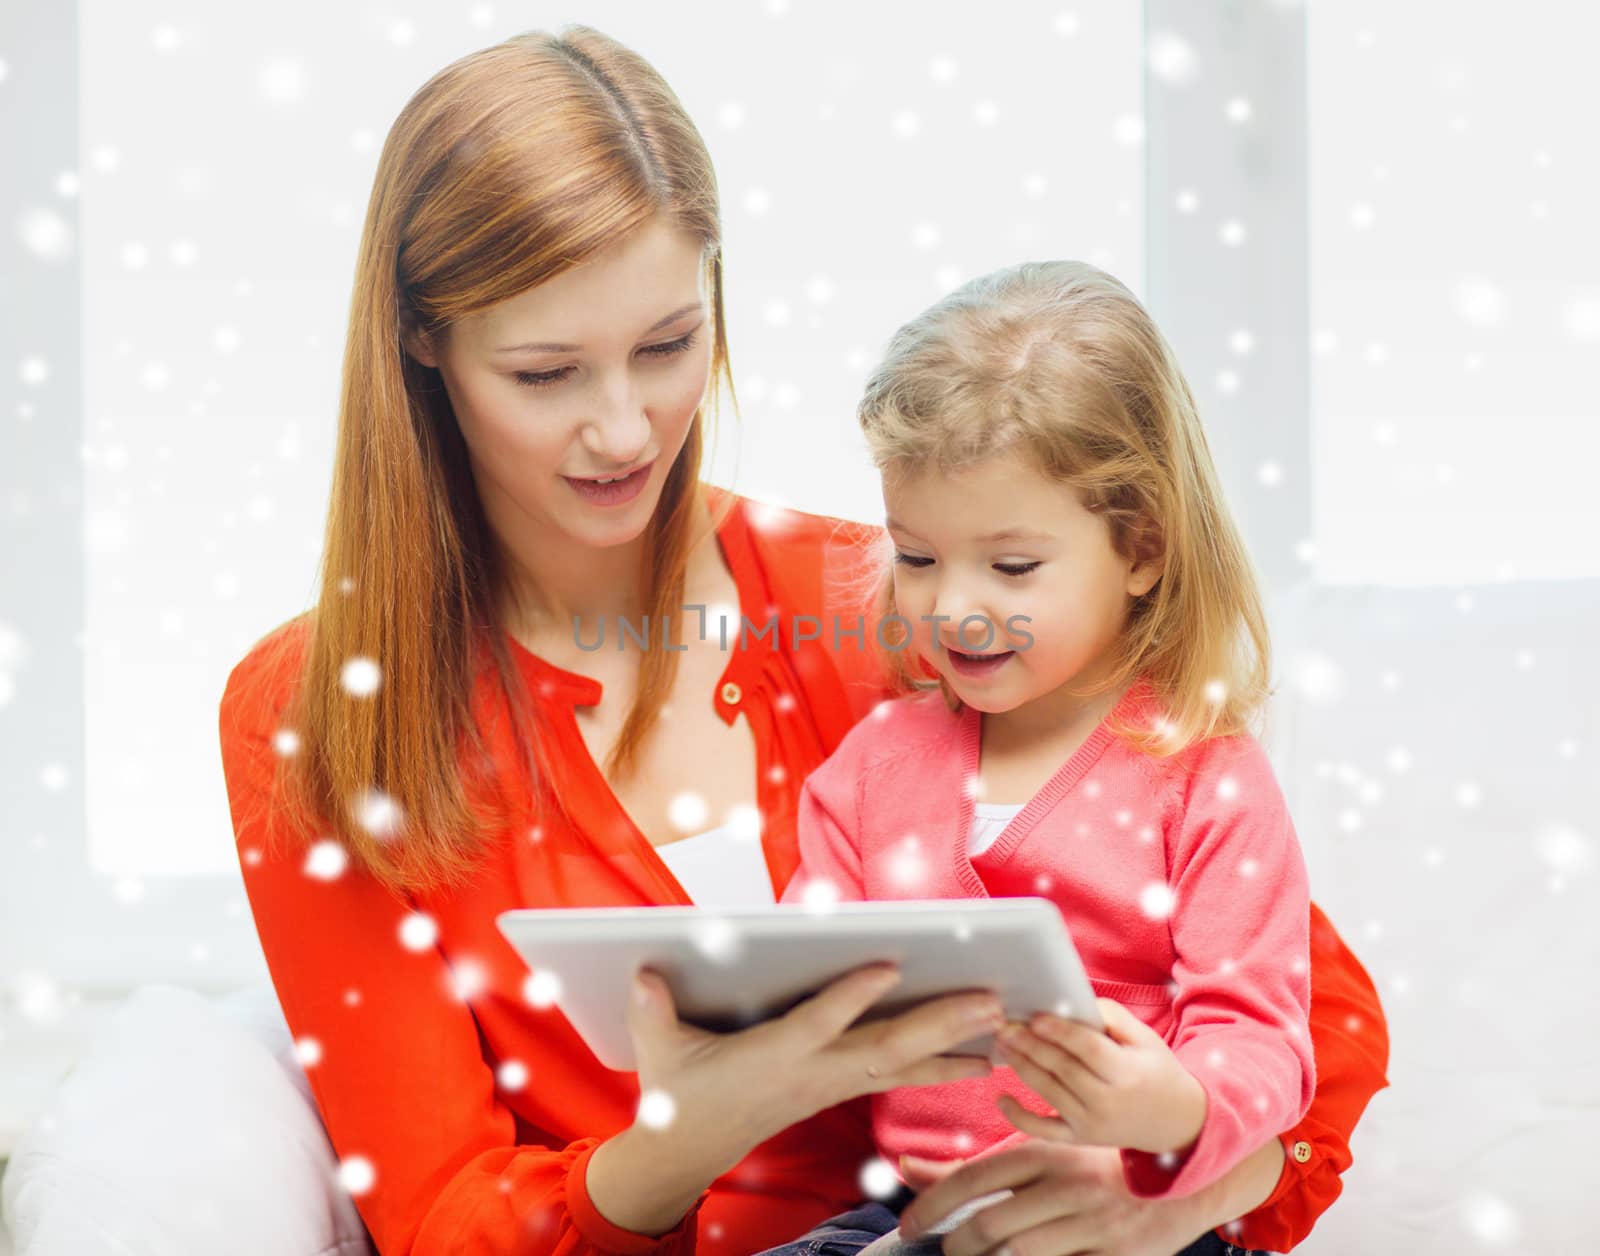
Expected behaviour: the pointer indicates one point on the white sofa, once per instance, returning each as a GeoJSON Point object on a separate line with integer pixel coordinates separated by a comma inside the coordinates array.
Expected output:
{"type": "Point", "coordinates": [186, 1126]}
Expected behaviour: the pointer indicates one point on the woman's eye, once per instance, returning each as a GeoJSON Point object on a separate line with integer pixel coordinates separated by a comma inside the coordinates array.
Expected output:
{"type": "Point", "coordinates": [1015, 569]}
{"type": "Point", "coordinates": [681, 345]}
{"type": "Point", "coordinates": [912, 560]}
{"type": "Point", "coordinates": [542, 379]}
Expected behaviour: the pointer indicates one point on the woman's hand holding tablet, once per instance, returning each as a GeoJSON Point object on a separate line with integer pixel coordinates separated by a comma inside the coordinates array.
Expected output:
{"type": "Point", "coordinates": [731, 970]}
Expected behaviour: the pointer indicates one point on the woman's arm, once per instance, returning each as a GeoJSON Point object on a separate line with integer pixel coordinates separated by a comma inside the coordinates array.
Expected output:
{"type": "Point", "coordinates": [400, 1077]}
{"type": "Point", "coordinates": [1350, 1040]}
{"type": "Point", "coordinates": [438, 1161]}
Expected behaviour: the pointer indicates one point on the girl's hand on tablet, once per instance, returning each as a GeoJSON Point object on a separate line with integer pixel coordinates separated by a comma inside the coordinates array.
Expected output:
{"type": "Point", "coordinates": [716, 1096]}
{"type": "Point", "coordinates": [1121, 1088]}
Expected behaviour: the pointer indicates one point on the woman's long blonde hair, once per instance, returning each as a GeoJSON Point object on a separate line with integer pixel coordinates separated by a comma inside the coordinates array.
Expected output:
{"type": "Point", "coordinates": [508, 167]}
{"type": "Point", "coordinates": [1060, 362]}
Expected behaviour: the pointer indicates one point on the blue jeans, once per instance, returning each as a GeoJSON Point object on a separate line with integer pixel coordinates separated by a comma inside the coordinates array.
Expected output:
{"type": "Point", "coordinates": [849, 1232]}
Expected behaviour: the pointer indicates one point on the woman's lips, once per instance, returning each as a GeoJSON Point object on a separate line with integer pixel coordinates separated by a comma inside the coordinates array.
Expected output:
{"type": "Point", "coordinates": [614, 492]}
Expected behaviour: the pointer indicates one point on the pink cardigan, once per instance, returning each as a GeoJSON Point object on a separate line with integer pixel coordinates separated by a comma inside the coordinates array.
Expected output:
{"type": "Point", "coordinates": [1181, 880]}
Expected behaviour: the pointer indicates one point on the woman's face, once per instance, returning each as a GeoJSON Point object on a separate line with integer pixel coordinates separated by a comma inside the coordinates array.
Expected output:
{"type": "Point", "coordinates": [594, 374]}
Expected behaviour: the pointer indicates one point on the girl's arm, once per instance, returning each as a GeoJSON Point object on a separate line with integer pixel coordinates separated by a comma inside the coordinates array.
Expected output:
{"type": "Point", "coordinates": [1239, 928]}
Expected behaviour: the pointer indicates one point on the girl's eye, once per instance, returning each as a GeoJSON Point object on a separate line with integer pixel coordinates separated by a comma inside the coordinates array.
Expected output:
{"type": "Point", "coordinates": [543, 379]}
{"type": "Point", "coordinates": [911, 560]}
{"type": "Point", "coordinates": [1015, 569]}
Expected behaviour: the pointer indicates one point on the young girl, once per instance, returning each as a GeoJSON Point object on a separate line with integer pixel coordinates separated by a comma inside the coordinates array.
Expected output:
{"type": "Point", "coordinates": [1066, 575]}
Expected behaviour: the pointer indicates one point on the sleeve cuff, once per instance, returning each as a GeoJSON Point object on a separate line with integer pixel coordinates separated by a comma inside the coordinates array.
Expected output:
{"type": "Point", "coordinates": [606, 1237]}
{"type": "Point", "coordinates": [1262, 1227]}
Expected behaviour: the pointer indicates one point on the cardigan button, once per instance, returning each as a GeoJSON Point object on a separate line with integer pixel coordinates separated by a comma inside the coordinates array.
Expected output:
{"type": "Point", "coordinates": [1302, 1151]}
{"type": "Point", "coordinates": [731, 693]}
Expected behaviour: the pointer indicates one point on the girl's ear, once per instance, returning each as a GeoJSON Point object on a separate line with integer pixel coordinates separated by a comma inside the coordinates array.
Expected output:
{"type": "Point", "coordinates": [1144, 575]}
{"type": "Point", "coordinates": [1150, 558]}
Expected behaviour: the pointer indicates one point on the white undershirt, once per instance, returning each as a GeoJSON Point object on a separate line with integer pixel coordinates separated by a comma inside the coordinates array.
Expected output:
{"type": "Point", "coordinates": [721, 868]}
{"type": "Point", "coordinates": [725, 867]}
{"type": "Point", "coordinates": [989, 819]}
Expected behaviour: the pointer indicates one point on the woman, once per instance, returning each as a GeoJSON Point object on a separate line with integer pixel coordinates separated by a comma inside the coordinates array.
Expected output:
{"type": "Point", "coordinates": [536, 344]}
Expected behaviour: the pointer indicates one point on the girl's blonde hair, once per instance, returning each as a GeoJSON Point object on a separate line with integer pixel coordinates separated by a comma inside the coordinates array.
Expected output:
{"type": "Point", "coordinates": [508, 167]}
{"type": "Point", "coordinates": [1060, 362]}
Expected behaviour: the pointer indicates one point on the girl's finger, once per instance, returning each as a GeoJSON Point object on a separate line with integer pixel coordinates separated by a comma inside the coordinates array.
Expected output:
{"type": "Point", "coordinates": [1094, 1050]}
{"type": "Point", "coordinates": [1057, 1093]}
{"type": "Point", "coordinates": [1048, 1055]}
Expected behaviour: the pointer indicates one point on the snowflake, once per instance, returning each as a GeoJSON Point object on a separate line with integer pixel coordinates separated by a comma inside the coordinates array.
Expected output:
{"type": "Point", "coordinates": [717, 939]}
{"type": "Point", "coordinates": [286, 742]}
{"type": "Point", "coordinates": [745, 821]}
{"type": "Point", "coordinates": [1490, 1218]}
{"type": "Point", "coordinates": [657, 1109]}
{"type": "Point", "coordinates": [687, 812]}
{"type": "Point", "coordinates": [1565, 849]}
{"type": "Point", "coordinates": [468, 978]}
{"type": "Point", "coordinates": [357, 1175]}
{"type": "Point", "coordinates": [282, 80]}
{"type": "Point", "coordinates": [907, 866]}
{"type": "Point", "coordinates": [377, 813]}
{"type": "Point", "coordinates": [418, 931]}
{"type": "Point", "coordinates": [542, 989]}
{"type": "Point", "coordinates": [37, 998]}
{"type": "Point", "coordinates": [308, 1051]}
{"type": "Point", "coordinates": [326, 860]}
{"type": "Point", "coordinates": [45, 234]}
{"type": "Point", "coordinates": [361, 676]}
{"type": "Point", "coordinates": [1171, 58]}
{"type": "Point", "coordinates": [878, 1179]}
{"type": "Point", "coordinates": [1479, 302]}
{"type": "Point", "coordinates": [512, 1075]}
{"type": "Point", "coordinates": [1156, 901]}
{"type": "Point", "coordinates": [820, 895]}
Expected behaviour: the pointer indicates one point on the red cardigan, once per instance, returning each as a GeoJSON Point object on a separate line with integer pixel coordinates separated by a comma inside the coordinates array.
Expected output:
{"type": "Point", "coordinates": [468, 1156]}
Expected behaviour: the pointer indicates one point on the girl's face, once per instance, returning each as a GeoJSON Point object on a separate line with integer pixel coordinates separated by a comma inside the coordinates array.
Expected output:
{"type": "Point", "coordinates": [594, 374]}
{"type": "Point", "coordinates": [999, 541]}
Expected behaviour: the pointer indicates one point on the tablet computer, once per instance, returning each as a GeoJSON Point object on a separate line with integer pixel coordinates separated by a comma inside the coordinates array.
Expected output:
{"type": "Point", "coordinates": [731, 969]}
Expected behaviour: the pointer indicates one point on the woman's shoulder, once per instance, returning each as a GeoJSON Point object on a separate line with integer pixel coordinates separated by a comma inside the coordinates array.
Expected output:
{"type": "Point", "coordinates": [819, 553]}
{"type": "Point", "coordinates": [261, 683]}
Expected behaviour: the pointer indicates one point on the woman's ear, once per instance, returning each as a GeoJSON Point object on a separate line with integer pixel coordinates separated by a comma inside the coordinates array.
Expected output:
{"type": "Point", "coordinates": [418, 344]}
